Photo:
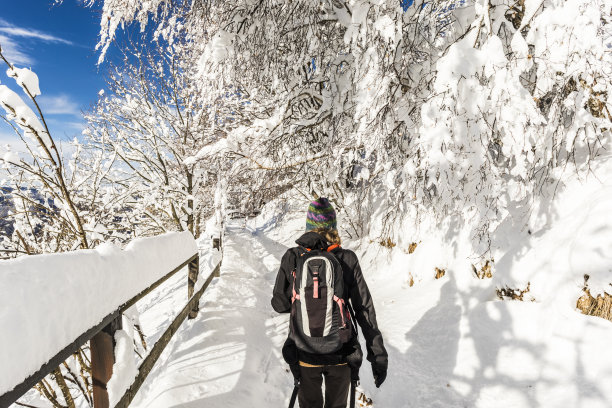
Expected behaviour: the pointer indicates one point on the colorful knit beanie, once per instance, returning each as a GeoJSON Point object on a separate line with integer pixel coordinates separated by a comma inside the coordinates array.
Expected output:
{"type": "Point", "coordinates": [321, 214]}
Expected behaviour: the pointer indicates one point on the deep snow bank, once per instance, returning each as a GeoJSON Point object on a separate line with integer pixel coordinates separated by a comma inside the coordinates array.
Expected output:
{"type": "Point", "coordinates": [47, 301]}
{"type": "Point", "coordinates": [570, 236]}
{"type": "Point", "coordinates": [453, 343]}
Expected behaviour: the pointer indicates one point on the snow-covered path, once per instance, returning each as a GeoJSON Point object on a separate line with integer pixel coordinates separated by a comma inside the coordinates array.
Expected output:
{"type": "Point", "coordinates": [229, 356]}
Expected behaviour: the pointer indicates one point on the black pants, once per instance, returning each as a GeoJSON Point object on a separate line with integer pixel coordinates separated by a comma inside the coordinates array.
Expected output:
{"type": "Point", "coordinates": [337, 382]}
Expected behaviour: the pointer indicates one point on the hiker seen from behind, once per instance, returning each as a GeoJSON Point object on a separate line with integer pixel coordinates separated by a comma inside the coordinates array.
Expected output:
{"type": "Point", "coordinates": [322, 287]}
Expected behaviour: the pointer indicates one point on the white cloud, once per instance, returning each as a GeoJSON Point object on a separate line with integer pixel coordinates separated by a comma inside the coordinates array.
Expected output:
{"type": "Point", "coordinates": [14, 54]}
{"type": "Point", "coordinates": [14, 31]}
{"type": "Point", "coordinates": [7, 135]}
{"type": "Point", "coordinates": [11, 142]}
{"type": "Point", "coordinates": [11, 35]}
{"type": "Point", "coordinates": [9, 139]}
{"type": "Point", "coordinates": [27, 33]}
{"type": "Point", "coordinates": [65, 130]}
{"type": "Point", "coordinates": [58, 105]}
{"type": "Point", "coordinates": [80, 126]}
{"type": "Point", "coordinates": [62, 128]}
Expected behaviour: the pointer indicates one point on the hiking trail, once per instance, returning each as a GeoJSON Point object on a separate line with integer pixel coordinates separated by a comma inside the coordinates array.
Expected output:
{"type": "Point", "coordinates": [229, 356]}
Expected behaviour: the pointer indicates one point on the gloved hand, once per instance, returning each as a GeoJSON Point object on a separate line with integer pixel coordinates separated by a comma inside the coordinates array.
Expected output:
{"type": "Point", "coordinates": [295, 370]}
{"type": "Point", "coordinates": [354, 361]}
{"type": "Point", "coordinates": [290, 355]}
{"type": "Point", "coordinates": [380, 373]}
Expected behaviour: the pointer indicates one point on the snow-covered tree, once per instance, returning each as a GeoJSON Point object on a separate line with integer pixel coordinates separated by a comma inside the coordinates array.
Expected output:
{"type": "Point", "coordinates": [45, 209]}
{"type": "Point", "coordinates": [152, 119]}
{"type": "Point", "coordinates": [437, 109]}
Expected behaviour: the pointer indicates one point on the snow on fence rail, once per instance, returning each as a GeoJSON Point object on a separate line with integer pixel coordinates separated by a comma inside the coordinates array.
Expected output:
{"type": "Point", "coordinates": [53, 304]}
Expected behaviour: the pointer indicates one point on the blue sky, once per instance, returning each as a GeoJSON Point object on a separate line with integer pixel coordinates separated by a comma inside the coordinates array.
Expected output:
{"type": "Point", "coordinates": [57, 42]}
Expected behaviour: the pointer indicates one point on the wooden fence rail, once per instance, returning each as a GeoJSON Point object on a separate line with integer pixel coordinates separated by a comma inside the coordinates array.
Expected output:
{"type": "Point", "coordinates": [101, 338]}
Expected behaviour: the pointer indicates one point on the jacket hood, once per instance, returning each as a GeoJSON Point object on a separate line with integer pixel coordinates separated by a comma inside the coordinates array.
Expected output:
{"type": "Point", "coordinates": [312, 240]}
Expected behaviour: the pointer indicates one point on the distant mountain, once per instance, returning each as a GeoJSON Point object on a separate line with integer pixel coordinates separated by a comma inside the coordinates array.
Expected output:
{"type": "Point", "coordinates": [7, 226]}
{"type": "Point", "coordinates": [6, 205]}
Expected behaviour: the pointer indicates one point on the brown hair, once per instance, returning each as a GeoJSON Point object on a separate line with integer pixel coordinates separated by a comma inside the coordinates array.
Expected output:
{"type": "Point", "coordinates": [331, 235]}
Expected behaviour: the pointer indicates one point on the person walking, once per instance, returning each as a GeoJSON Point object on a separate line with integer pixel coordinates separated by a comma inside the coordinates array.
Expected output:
{"type": "Point", "coordinates": [322, 286]}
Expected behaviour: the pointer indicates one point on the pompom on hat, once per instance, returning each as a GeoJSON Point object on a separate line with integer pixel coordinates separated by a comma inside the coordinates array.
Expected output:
{"type": "Point", "coordinates": [321, 214]}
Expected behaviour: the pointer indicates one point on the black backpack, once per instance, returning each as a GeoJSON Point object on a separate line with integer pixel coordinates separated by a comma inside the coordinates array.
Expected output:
{"type": "Point", "coordinates": [320, 321]}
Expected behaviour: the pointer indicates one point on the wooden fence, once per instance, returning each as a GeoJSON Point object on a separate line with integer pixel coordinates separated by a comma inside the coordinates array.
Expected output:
{"type": "Point", "coordinates": [101, 338]}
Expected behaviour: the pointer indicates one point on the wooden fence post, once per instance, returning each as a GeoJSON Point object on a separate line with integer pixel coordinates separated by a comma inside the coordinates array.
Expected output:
{"type": "Point", "coordinates": [218, 244]}
{"type": "Point", "coordinates": [102, 348]}
{"type": "Point", "coordinates": [194, 268]}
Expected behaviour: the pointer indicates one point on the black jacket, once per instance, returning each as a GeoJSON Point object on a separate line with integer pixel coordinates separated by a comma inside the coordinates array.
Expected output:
{"type": "Point", "coordinates": [356, 290]}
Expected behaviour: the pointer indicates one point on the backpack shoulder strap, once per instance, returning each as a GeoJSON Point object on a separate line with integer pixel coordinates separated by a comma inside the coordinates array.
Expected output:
{"type": "Point", "coordinates": [301, 250]}
{"type": "Point", "coordinates": [347, 302]}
